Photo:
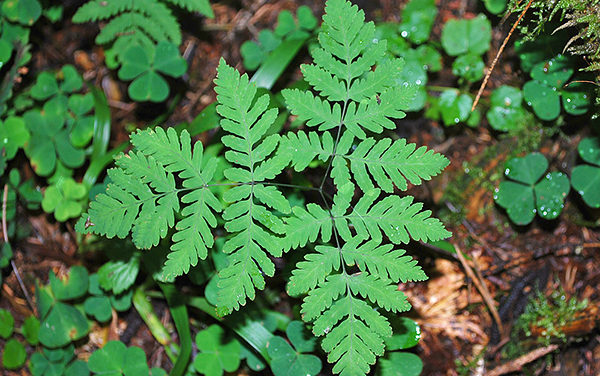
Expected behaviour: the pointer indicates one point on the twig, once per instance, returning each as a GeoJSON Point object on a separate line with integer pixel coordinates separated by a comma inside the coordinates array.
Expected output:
{"type": "Point", "coordinates": [489, 73]}
{"type": "Point", "coordinates": [517, 364]}
{"type": "Point", "coordinates": [12, 263]}
{"type": "Point", "coordinates": [483, 290]}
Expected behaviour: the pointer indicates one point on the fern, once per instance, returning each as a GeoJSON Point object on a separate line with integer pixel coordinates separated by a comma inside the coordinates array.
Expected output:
{"type": "Point", "coordinates": [143, 198]}
{"type": "Point", "coordinates": [137, 22]}
{"type": "Point", "coordinates": [351, 276]}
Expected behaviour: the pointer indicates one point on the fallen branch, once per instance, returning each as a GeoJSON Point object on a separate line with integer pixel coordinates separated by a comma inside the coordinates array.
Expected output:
{"type": "Point", "coordinates": [516, 365]}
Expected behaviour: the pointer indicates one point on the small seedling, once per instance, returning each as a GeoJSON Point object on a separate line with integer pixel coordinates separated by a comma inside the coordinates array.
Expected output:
{"type": "Point", "coordinates": [586, 178]}
{"type": "Point", "coordinates": [255, 53]}
{"type": "Point", "coordinates": [14, 354]}
{"type": "Point", "coordinates": [454, 107]}
{"type": "Point", "coordinates": [525, 194]}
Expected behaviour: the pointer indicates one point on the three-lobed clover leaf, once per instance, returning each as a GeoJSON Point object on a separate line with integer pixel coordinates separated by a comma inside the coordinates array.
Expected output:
{"type": "Point", "coordinates": [99, 304]}
{"type": "Point", "coordinates": [25, 12]}
{"type": "Point", "coordinates": [469, 67]}
{"type": "Point", "coordinates": [585, 178]}
{"type": "Point", "coordinates": [548, 85]}
{"type": "Point", "coordinates": [216, 355]}
{"type": "Point", "coordinates": [57, 362]}
{"type": "Point", "coordinates": [506, 112]}
{"type": "Point", "coordinates": [291, 360]}
{"type": "Point", "coordinates": [454, 107]}
{"type": "Point", "coordinates": [62, 128]}
{"type": "Point", "coordinates": [143, 65]}
{"type": "Point", "coordinates": [467, 36]}
{"type": "Point", "coordinates": [62, 323]}
{"type": "Point", "coordinates": [525, 194]}
{"type": "Point", "coordinates": [64, 199]}
{"type": "Point", "coordinates": [116, 359]}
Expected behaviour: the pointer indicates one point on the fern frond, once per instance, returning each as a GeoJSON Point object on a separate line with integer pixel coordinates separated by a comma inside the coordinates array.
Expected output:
{"type": "Point", "coordinates": [397, 217]}
{"type": "Point", "coordinates": [313, 110]}
{"type": "Point", "coordinates": [247, 120]}
{"type": "Point", "coordinates": [301, 149]}
{"type": "Point", "coordinates": [143, 197]}
{"type": "Point", "coordinates": [389, 163]}
{"type": "Point", "coordinates": [151, 18]}
{"type": "Point", "coordinates": [202, 6]}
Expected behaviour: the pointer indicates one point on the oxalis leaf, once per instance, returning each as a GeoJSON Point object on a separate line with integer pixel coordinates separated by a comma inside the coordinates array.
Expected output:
{"type": "Point", "coordinates": [290, 361]}
{"type": "Point", "coordinates": [586, 178]}
{"type": "Point", "coordinates": [525, 194]}
{"type": "Point", "coordinates": [216, 356]}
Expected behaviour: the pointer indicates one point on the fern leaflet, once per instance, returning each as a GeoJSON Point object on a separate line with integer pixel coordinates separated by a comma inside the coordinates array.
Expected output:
{"type": "Point", "coordinates": [142, 197]}
{"type": "Point", "coordinates": [254, 226]}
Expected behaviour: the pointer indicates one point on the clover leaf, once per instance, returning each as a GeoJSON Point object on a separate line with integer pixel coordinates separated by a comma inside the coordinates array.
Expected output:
{"type": "Point", "coordinates": [99, 305]}
{"type": "Point", "coordinates": [525, 194]}
{"type": "Point", "coordinates": [25, 12]}
{"type": "Point", "coordinates": [469, 67]}
{"type": "Point", "coordinates": [56, 363]}
{"type": "Point", "coordinates": [31, 330]}
{"type": "Point", "coordinates": [62, 323]}
{"type": "Point", "coordinates": [454, 107]}
{"type": "Point", "coordinates": [13, 136]}
{"type": "Point", "coordinates": [506, 112]}
{"type": "Point", "coordinates": [400, 364]}
{"type": "Point", "coordinates": [417, 20]}
{"type": "Point", "coordinates": [585, 178]}
{"type": "Point", "coordinates": [13, 355]}
{"type": "Point", "coordinates": [47, 84]}
{"type": "Point", "coordinates": [289, 361]}
{"type": "Point", "coordinates": [215, 355]}
{"type": "Point", "coordinates": [7, 324]}
{"type": "Point", "coordinates": [495, 6]}
{"type": "Point", "coordinates": [64, 199]}
{"type": "Point", "coordinates": [467, 36]}
{"type": "Point", "coordinates": [116, 359]}
{"type": "Point", "coordinates": [407, 334]}
{"type": "Point", "coordinates": [50, 140]}
{"type": "Point", "coordinates": [544, 100]}
{"type": "Point", "coordinates": [543, 93]}
{"type": "Point", "coordinates": [143, 65]}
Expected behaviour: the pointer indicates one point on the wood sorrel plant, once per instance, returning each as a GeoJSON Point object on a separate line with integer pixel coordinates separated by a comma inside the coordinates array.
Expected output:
{"type": "Point", "coordinates": [351, 272]}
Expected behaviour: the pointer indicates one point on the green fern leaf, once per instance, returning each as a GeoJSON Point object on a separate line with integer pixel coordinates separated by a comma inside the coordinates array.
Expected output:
{"type": "Point", "coordinates": [254, 227]}
{"type": "Point", "coordinates": [392, 163]}
{"type": "Point", "coordinates": [301, 149]}
{"type": "Point", "coordinates": [143, 197]}
{"type": "Point", "coordinates": [137, 22]}
{"type": "Point", "coordinates": [397, 217]}
{"type": "Point", "coordinates": [202, 6]}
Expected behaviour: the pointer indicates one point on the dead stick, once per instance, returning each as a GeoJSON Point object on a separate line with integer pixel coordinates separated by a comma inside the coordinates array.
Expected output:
{"type": "Point", "coordinates": [483, 290]}
{"type": "Point", "coordinates": [12, 263]}
{"type": "Point", "coordinates": [489, 73]}
{"type": "Point", "coordinates": [517, 364]}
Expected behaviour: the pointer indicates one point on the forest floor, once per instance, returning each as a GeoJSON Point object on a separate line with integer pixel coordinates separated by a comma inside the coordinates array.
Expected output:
{"type": "Point", "coordinates": [468, 307]}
